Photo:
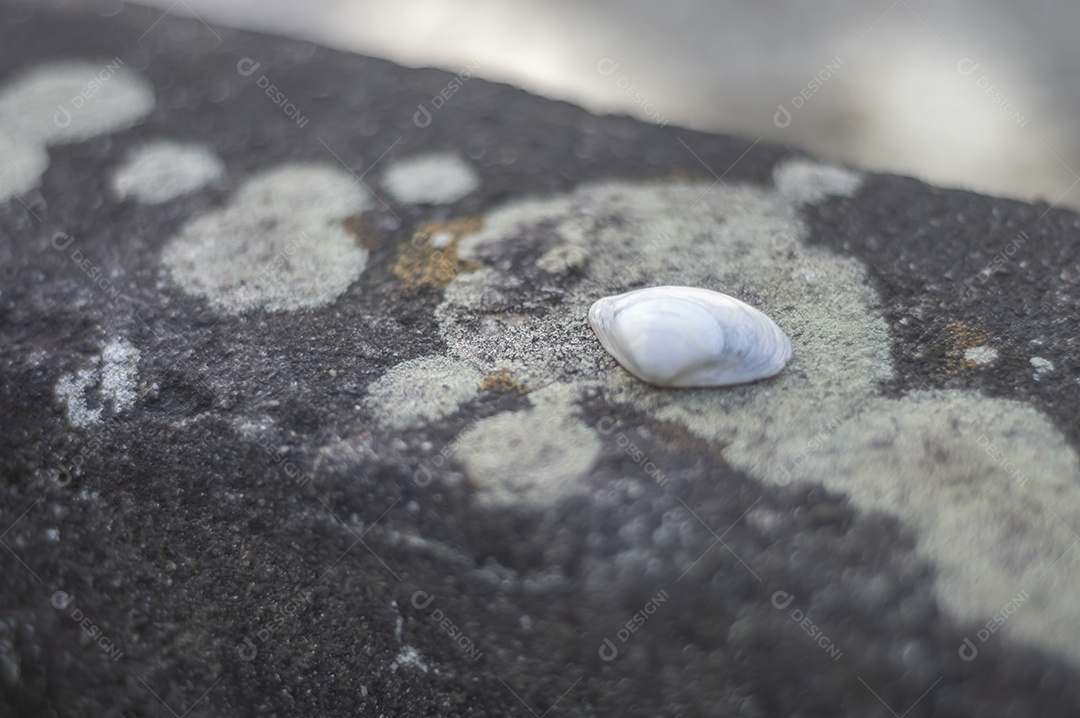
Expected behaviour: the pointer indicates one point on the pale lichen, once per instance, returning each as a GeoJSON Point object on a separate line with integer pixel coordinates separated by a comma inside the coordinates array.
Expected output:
{"type": "Point", "coordinates": [279, 245]}
{"type": "Point", "coordinates": [163, 170]}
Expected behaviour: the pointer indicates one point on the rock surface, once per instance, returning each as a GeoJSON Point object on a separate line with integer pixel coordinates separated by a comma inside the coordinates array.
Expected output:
{"type": "Point", "coordinates": [302, 415]}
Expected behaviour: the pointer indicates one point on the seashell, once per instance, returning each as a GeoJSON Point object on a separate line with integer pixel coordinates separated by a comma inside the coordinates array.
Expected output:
{"type": "Point", "coordinates": [689, 337]}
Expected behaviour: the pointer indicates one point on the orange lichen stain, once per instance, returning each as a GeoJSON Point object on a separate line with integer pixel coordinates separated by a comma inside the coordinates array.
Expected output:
{"type": "Point", "coordinates": [501, 382]}
{"type": "Point", "coordinates": [359, 228]}
{"type": "Point", "coordinates": [960, 337]}
{"type": "Point", "coordinates": [430, 258]}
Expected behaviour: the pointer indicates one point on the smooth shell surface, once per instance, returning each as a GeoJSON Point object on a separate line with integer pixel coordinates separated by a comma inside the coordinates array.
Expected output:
{"type": "Point", "coordinates": [689, 337]}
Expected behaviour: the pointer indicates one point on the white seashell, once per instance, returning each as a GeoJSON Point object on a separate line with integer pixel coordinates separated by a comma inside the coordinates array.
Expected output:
{"type": "Point", "coordinates": [688, 337]}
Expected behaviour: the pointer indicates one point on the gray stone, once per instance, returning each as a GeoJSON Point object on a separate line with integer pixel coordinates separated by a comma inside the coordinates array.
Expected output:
{"type": "Point", "coordinates": [324, 431]}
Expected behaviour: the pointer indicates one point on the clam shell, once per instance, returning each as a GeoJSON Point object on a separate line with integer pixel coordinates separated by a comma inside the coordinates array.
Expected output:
{"type": "Point", "coordinates": [689, 337]}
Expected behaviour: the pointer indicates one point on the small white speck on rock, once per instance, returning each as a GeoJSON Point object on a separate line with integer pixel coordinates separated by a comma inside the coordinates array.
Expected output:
{"type": "Point", "coordinates": [441, 239]}
{"type": "Point", "coordinates": [1042, 366]}
{"type": "Point", "coordinates": [409, 657]}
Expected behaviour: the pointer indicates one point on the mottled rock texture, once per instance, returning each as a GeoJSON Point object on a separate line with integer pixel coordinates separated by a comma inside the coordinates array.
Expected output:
{"type": "Point", "coordinates": [301, 414]}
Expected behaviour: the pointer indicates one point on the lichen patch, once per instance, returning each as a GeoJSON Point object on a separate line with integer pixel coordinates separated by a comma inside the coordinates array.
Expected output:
{"type": "Point", "coordinates": [433, 178]}
{"type": "Point", "coordinates": [109, 383]}
{"type": "Point", "coordinates": [980, 356]}
{"type": "Point", "coordinates": [502, 381]}
{"type": "Point", "coordinates": [422, 390]}
{"type": "Point", "coordinates": [531, 456]}
{"type": "Point", "coordinates": [822, 420]}
{"type": "Point", "coordinates": [163, 170]}
{"type": "Point", "coordinates": [431, 258]}
{"type": "Point", "coordinates": [279, 245]}
{"type": "Point", "coordinates": [59, 103]}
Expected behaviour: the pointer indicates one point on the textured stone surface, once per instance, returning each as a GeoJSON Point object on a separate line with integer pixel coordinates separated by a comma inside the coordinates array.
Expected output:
{"type": "Point", "coordinates": [327, 433]}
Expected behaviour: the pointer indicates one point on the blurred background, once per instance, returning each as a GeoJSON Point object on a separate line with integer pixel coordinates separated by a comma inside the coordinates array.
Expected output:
{"type": "Point", "coordinates": [982, 94]}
